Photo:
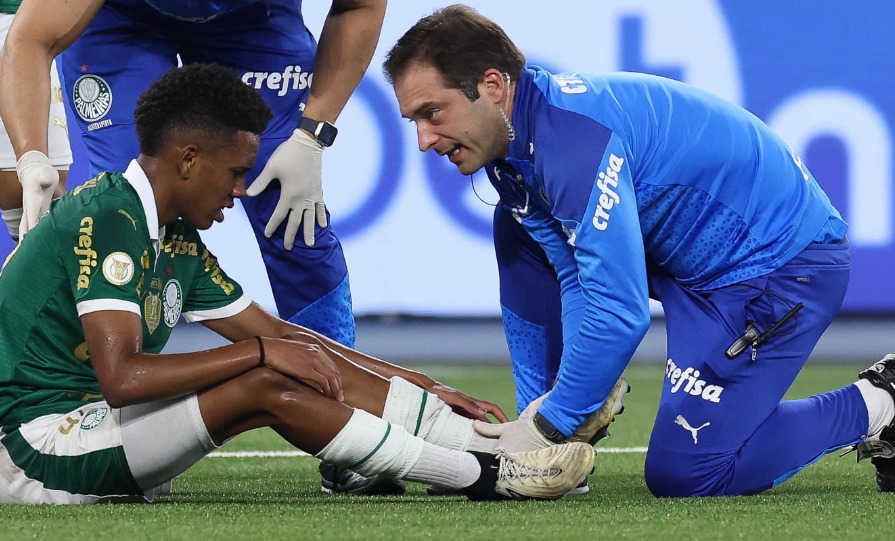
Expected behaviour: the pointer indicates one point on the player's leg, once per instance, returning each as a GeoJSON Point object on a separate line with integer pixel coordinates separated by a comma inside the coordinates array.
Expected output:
{"type": "Point", "coordinates": [370, 445]}
{"type": "Point", "coordinates": [400, 402]}
{"type": "Point", "coordinates": [531, 308]}
{"type": "Point", "coordinates": [720, 428]}
{"type": "Point", "coordinates": [267, 46]}
{"type": "Point", "coordinates": [103, 73]}
{"type": "Point", "coordinates": [877, 386]}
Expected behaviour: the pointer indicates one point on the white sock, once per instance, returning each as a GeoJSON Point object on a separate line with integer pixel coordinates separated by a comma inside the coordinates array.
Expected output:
{"type": "Point", "coordinates": [371, 446]}
{"type": "Point", "coordinates": [12, 217]}
{"type": "Point", "coordinates": [425, 415]}
{"type": "Point", "coordinates": [445, 467]}
{"type": "Point", "coordinates": [880, 406]}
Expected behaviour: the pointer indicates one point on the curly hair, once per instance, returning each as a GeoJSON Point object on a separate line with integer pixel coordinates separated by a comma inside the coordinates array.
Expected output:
{"type": "Point", "coordinates": [207, 99]}
{"type": "Point", "coordinates": [461, 44]}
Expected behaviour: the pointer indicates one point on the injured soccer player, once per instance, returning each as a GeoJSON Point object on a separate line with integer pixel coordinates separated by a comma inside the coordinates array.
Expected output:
{"type": "Point", "coordinates": [92, 410]}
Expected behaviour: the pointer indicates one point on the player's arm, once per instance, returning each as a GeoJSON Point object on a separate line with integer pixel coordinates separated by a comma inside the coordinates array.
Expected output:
{"type": "Point", "coordinates": [256, 321]}
{"type": "Point", "coordinates": [128, 376]}
{"type": "Point", "coordinates": [346, 45]}
{"type": "Point", "coordinates": [611, 271]}
{"type": "Point", "coordinates": [40, 31]}
{"type": "Point", "coordinates": [345, 48]}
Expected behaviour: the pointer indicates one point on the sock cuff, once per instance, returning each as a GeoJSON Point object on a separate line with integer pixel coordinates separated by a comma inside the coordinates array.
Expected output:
{"type": "Point", "coordinates": [13, 218]}
{"type": "Point", "coordinates": [880, 406]}
{"type": "Point", "coordinates": [371, 446]}
{"type": "Point", "coordinates": [405, 404]}
{"type": "Point", "coordinates": [356, 439]}
{"type": "Point", "coordinates": [427, 416]}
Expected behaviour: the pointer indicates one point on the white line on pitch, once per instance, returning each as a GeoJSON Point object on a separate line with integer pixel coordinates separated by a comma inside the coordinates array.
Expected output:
{"type": "Point", "coordinates": [293, 454]}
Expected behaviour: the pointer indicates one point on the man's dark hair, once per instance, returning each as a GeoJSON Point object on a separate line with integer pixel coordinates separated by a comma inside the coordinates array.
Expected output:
{"type": "Point", "coordinates": [205, 99]}
{"type": "Point", "coordinates": [461, 44]}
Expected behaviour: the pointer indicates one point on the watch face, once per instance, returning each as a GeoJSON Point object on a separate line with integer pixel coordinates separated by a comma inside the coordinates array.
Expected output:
{"type": "Point", "coordinates": [327, 133]}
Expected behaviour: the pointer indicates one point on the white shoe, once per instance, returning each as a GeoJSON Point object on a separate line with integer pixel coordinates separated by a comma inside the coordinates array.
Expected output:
{"type": "Point", "coordinates": [545, 474]}
{"type": "Point", "coordinates": [596, 427]}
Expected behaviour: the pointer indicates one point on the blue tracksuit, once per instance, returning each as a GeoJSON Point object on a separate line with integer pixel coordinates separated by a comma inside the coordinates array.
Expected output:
{"type": "Point", "coordinates": [130, 43]}
{"type": "Point", "coordinates": [627, 186]}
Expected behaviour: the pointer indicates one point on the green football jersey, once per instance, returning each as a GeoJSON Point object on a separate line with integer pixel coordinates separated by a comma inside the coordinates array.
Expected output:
{"type": "Point", "coordinates": [97, 249]}
{"type": "Point", "coordinates": [9, 6]}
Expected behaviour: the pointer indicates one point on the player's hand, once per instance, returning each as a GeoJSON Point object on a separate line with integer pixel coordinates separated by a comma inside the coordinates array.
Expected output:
{"type": "Point", "coordinates": [307, 363]}
{"type": "Point", "coordinates": [39, 180]}
{"type": "Point", "coordinates": [297, 163]}
{"type": "Point", "coordinates": [533, 406]}
{"type": "Point", "coordinates": [516, 436]}
{"type": "Point", "coordinates": [466, 405]}
{"type": "Point", "coordinates": [519, 435]}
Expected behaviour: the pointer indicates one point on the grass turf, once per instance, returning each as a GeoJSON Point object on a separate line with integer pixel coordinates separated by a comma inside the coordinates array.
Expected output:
{"type": "Point", "coordinates": [279, 498]}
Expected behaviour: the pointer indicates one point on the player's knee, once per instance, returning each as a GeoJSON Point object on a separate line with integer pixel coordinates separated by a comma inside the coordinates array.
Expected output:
{"type": "Point", "coordinates": [663, 480]}
{"type": "Point", "coordinates": [273, 389]}
{"type": "Point", "coordinates": [678, 475]}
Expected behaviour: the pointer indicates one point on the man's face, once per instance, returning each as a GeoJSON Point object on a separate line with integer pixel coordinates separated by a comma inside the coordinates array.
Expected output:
{"type": "Point", "coordinates": [470, 134]}
{"type": "Point", "coordinates": [217, 178]}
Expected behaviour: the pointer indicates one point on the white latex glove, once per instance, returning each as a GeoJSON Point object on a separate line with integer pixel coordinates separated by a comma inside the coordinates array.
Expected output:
{"type": "Point", "coordinates": [515, 436]}
{"type": "Point", "coordinates": [297, 163]}
{"type": "Point", "coordinates": [518, 435]}
{"type": "Point", "coordinates": [39, 180]}
{"type": "Point", "coordinates": [523, 435]}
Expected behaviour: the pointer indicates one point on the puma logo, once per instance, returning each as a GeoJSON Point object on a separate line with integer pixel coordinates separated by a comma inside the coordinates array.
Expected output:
{"type": "Point", "coordinates": [693, 431]}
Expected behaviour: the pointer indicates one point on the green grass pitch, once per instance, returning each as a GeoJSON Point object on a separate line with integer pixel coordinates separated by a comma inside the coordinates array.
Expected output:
{"type": "Point", "coordinates": [280, 498]}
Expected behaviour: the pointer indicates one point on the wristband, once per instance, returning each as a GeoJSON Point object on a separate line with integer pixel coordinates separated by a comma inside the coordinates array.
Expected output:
{"type": "Point", "coordinates": [547, 429]}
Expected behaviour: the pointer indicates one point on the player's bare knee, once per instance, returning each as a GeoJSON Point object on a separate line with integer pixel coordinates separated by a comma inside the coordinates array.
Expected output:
{"type": "Point", "coordinates": [275, 391]}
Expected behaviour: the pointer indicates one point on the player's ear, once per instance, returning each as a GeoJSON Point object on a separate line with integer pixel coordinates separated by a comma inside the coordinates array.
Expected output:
{"type": "Point", "coordinates": [186, 160]}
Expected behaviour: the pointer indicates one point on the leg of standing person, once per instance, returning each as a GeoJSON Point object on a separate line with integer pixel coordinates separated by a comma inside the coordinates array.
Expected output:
{"type": "Point", "coordinates": [309, 283]}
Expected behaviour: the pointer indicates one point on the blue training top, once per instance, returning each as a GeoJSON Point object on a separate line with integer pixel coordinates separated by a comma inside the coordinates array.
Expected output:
{"type": "Point", "coordinates": [191, 10]}
{"type": "Point", "coordinates": [609, 171]}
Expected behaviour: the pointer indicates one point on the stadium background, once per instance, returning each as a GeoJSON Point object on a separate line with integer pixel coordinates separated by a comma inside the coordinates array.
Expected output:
{"type": "Point", "coordinates": [417, 237]}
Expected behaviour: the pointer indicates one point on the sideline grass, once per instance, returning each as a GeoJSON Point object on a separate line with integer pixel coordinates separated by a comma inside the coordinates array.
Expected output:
{"type": "Point", "coordinates": [279, 498]}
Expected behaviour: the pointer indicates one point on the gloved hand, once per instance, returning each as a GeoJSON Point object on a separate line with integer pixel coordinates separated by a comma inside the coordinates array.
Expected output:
{"type": "Point", "coordinates": [523, 435]}
{"type": "Point", "coordinates": [39, 180]}
{"type": "Point", "coordinates": [515, 436]}
{"type": "Point", "coordinates": [297, 163]}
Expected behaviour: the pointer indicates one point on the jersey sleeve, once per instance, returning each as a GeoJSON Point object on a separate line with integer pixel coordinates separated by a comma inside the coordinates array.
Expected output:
{"type": "Point", "coordinates": [103, 263]}
{"type": "Point", "coordinates": [605, 291]}
{"type": "Point", "coordinates": [213, 294]}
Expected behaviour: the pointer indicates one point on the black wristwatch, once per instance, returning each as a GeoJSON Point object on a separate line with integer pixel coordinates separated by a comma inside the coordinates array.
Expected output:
{"type": "Point", "coordinates": [547, 429]}
{"type": "Point", "coordinates": [325, 132]}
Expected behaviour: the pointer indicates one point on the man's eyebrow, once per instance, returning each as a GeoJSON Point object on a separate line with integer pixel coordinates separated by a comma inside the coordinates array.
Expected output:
{"type": "Point", "coordinates": [419, 110]}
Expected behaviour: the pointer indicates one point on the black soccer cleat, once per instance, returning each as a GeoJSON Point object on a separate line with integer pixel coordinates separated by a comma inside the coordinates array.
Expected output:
{"type": "Point", "coordinates": [338, 480]}
{"type": "Point", "coordinates": [483, 488]}
{"type": "Point", "coordinates": [882, 451]}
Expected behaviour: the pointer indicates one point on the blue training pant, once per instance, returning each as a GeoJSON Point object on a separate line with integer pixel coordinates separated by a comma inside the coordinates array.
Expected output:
{"type": "Point", "coordinates": [721, 428]}
{"type": "Point", "coordinates": [530, 306]}
{"type": "Point", "coordinates": [129, 45]}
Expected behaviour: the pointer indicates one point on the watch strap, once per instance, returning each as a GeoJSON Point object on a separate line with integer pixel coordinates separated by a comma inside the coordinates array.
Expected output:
{"type": "Point", "coordinates": [325, 132]}
{"type": "Point", "coordinates": [547, 429]}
